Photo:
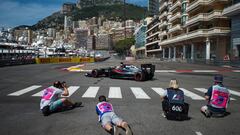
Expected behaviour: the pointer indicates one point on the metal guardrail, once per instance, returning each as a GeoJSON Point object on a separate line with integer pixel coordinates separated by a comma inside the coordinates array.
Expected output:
{"type": "Point", "coordinates": [16, 62]}
{"type": "Point", "coordinates": [9, 62]}
{"type": "Point", "coordinates": [232, 63]}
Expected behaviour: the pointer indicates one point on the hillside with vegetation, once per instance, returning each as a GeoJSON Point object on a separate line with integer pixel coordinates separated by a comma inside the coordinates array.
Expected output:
{"type": "Point", "coordinates": [110, 12]}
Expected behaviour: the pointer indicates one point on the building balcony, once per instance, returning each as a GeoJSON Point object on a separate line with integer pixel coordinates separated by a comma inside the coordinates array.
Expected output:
{"type": "Point", "coordinates": [155, 26]}
{"type": "Point", "coordinates": [153, 42]}
{"type": "Point", "coordinates": [232, 10]}
{"type": "Point", "coordinates": [196, 3]}
{"type": "Point", "coordinates": [175, 5]}
{"type": "Point", "coordinates": [216, 31]}
{"type": "Point", "coordinates": [175, 16]}
{"type": "Point", "coordinates": [163, 15]}
{"type": "Point", "coordinates": [169, 15]}
{"type": "Point", "coordinates": [163, 24]}
{"type": "Point", "coordinates": [204, 17]}
{"type": "Point", "coordinates": [154, 34]}
{"type": "Point", "coordinates": [163, 6]}
{"type": "Point", "coordinates": [163, 33]}
{"type": "Point", "coordinates": [175, 28]}
{"type": "Point", "coordinates": [185, 1]}
{"type": "Point", "coordinates": [155, 50]}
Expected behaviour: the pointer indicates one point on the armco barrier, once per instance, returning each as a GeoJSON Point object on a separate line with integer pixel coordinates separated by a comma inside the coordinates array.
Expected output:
{"type": "Point", "coordinates": [101, 59]}
{"type": "Point", "coordinates": [16, 62]}
{"type": "Point", "coordinates": [62, 60]}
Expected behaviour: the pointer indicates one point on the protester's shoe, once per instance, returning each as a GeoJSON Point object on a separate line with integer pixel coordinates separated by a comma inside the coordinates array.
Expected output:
{"type": "Point", "coordinates": [77, 104]}
{"type": "Point", "coordinates": [128, 131]}
{"type": "Point", "coordinates": [207, 113]}
{"type": "Point", "coordinates": [112, 131]}
{"type": "Point", "coordinates": [116, 130]}
{"type": "Point", "coordinates": [163, 114]}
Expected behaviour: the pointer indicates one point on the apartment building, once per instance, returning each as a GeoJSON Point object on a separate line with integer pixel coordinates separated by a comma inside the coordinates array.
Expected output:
{"type": "Point", "coordinates": [140, 38]}
{"type": "Point", "coordinates": [81, 38]}
{"type": "Point", "coordinates": [233, 11]}
{"type": "Point", "coordinates": [191, 29]}
{"type": "Point", "coordinates": [153, 6]}
{"type": "Point", "coordinates": [152, 38]}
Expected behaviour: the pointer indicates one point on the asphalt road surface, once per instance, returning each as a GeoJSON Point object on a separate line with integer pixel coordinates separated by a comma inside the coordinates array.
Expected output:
{"type": "Point", "coordinates": [136, 102]}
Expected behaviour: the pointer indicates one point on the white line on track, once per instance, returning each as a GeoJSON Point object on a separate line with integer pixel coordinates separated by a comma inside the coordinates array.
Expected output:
{"type": "Point", "coordinates": [159, 91]}
{"type": "Point", "coordinates": [204, 71]}
{"type": "Point", "coordinates": [39, 94]}
{"type": "Point", "coordinates": [234, 93]}
{"type": "Point", "coordinates": [192, 95]}
{"type": "Point", "coordinates": [165, 71]}
{"type": "Point", "coordinates": [23, 91]}
{"type": "Point", "coordinates": [71, 90]}
{"type": "Point", "coordinates": [115, 92]}
{"type": "Point", "coordinates": [91, 92]}
{"type": "Point", "coordinates": [198, 133]}
{"type": "Point", "coordinates": [139, 93]}
{"type": "Point", "coordinates": [205, 90]}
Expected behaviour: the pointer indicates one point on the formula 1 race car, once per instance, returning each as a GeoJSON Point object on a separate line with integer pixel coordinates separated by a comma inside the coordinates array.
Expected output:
{"type": "Point", "coordinates": [145, 72]}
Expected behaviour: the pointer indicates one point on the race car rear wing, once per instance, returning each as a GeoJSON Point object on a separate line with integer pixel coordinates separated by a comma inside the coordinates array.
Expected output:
{"type": "Point", "coordinates": [150, 68]}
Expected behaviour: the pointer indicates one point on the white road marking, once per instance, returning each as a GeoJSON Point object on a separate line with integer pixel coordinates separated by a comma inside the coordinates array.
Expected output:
{"type": "Point", "coordinates": [39, 94]}
{"type": "Point", "coordinates": [139, 93]}
{"type": "Point", "coordinates": [91, 92]}
{"type": "Point", "coordinates": [204, 71]}
{"type": "Point", "coordinates": [159, 91]}
{"type": "Point", "coordinates": [234, 93]}
{"type": "Point", "coordinates": [192, 95]}
{"type": "Point", "coordinates": [205, 90]}
{"type": "Point", "coordinates": [165, 71]}
{"type": "Point", "coordinates": [114, 92]}
{"type": "Point", "coordinates": [23, 91]}
{"type": "Point", "coordinates": [238, 71]}
{"type": "Point", "coordinates": [198, 133]}
{"type": "Point", "coordinates": [71, 90]}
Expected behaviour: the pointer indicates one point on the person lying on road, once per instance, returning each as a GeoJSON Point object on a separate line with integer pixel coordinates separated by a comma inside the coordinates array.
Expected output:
{"type": "Point", "coordinates": [51, 101]}
{"type": "Point", "coordinates": [109, 119]}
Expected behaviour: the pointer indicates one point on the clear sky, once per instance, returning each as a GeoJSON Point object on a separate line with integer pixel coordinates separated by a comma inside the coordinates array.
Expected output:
{"type": "Point", "coordinates": [29, 12]}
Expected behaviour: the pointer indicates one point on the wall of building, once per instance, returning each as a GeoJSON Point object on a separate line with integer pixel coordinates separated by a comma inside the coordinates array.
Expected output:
{"type": "Point", "coordinates": [235, 39]}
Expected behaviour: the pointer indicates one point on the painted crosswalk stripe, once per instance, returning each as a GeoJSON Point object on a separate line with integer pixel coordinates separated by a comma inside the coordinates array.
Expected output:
{"type": "Point", "coordinates": [191, 95]}
{"type": "Point", "coordinates": [234, 92]}
{"type": "Point", "coordinates": [139, 93]}
{"type": "Point", "coordinates": [26, 90]}
{"type": "Point", "coordinates": [91, 92]}
{"type": "Point", "coordinates": [198, 133]}
{"type": "Point", "coordinates": [114, 92]}
{"type": "Point", "coordinates": [39, 94]}
{"type": "Point", "coordinates": [71, 90]}
{"type": "Point", "coordinates": [159, 91]}
{"type": "Point", "coordinates": [205, 90]}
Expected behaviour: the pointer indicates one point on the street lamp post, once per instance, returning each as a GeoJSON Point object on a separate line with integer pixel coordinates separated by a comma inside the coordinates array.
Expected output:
{"type": "Point", "coordinates": [125, 35]}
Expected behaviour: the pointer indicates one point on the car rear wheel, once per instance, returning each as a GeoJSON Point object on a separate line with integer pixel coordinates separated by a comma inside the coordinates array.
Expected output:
{"type": "Point", "coordinates": [95, 73]}
{"type": "Point", "coordinates": [139, 77]}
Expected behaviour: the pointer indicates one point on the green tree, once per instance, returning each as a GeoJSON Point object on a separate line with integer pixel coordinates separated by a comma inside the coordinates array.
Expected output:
{"type": "Point", "coordinates": [123, 46]}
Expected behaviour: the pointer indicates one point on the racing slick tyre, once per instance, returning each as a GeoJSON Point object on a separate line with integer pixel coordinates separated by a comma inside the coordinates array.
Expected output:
{"type": "Point", "coordinates": [139, 77]}
{"type": "Point", "coordinates": [95, 73]}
